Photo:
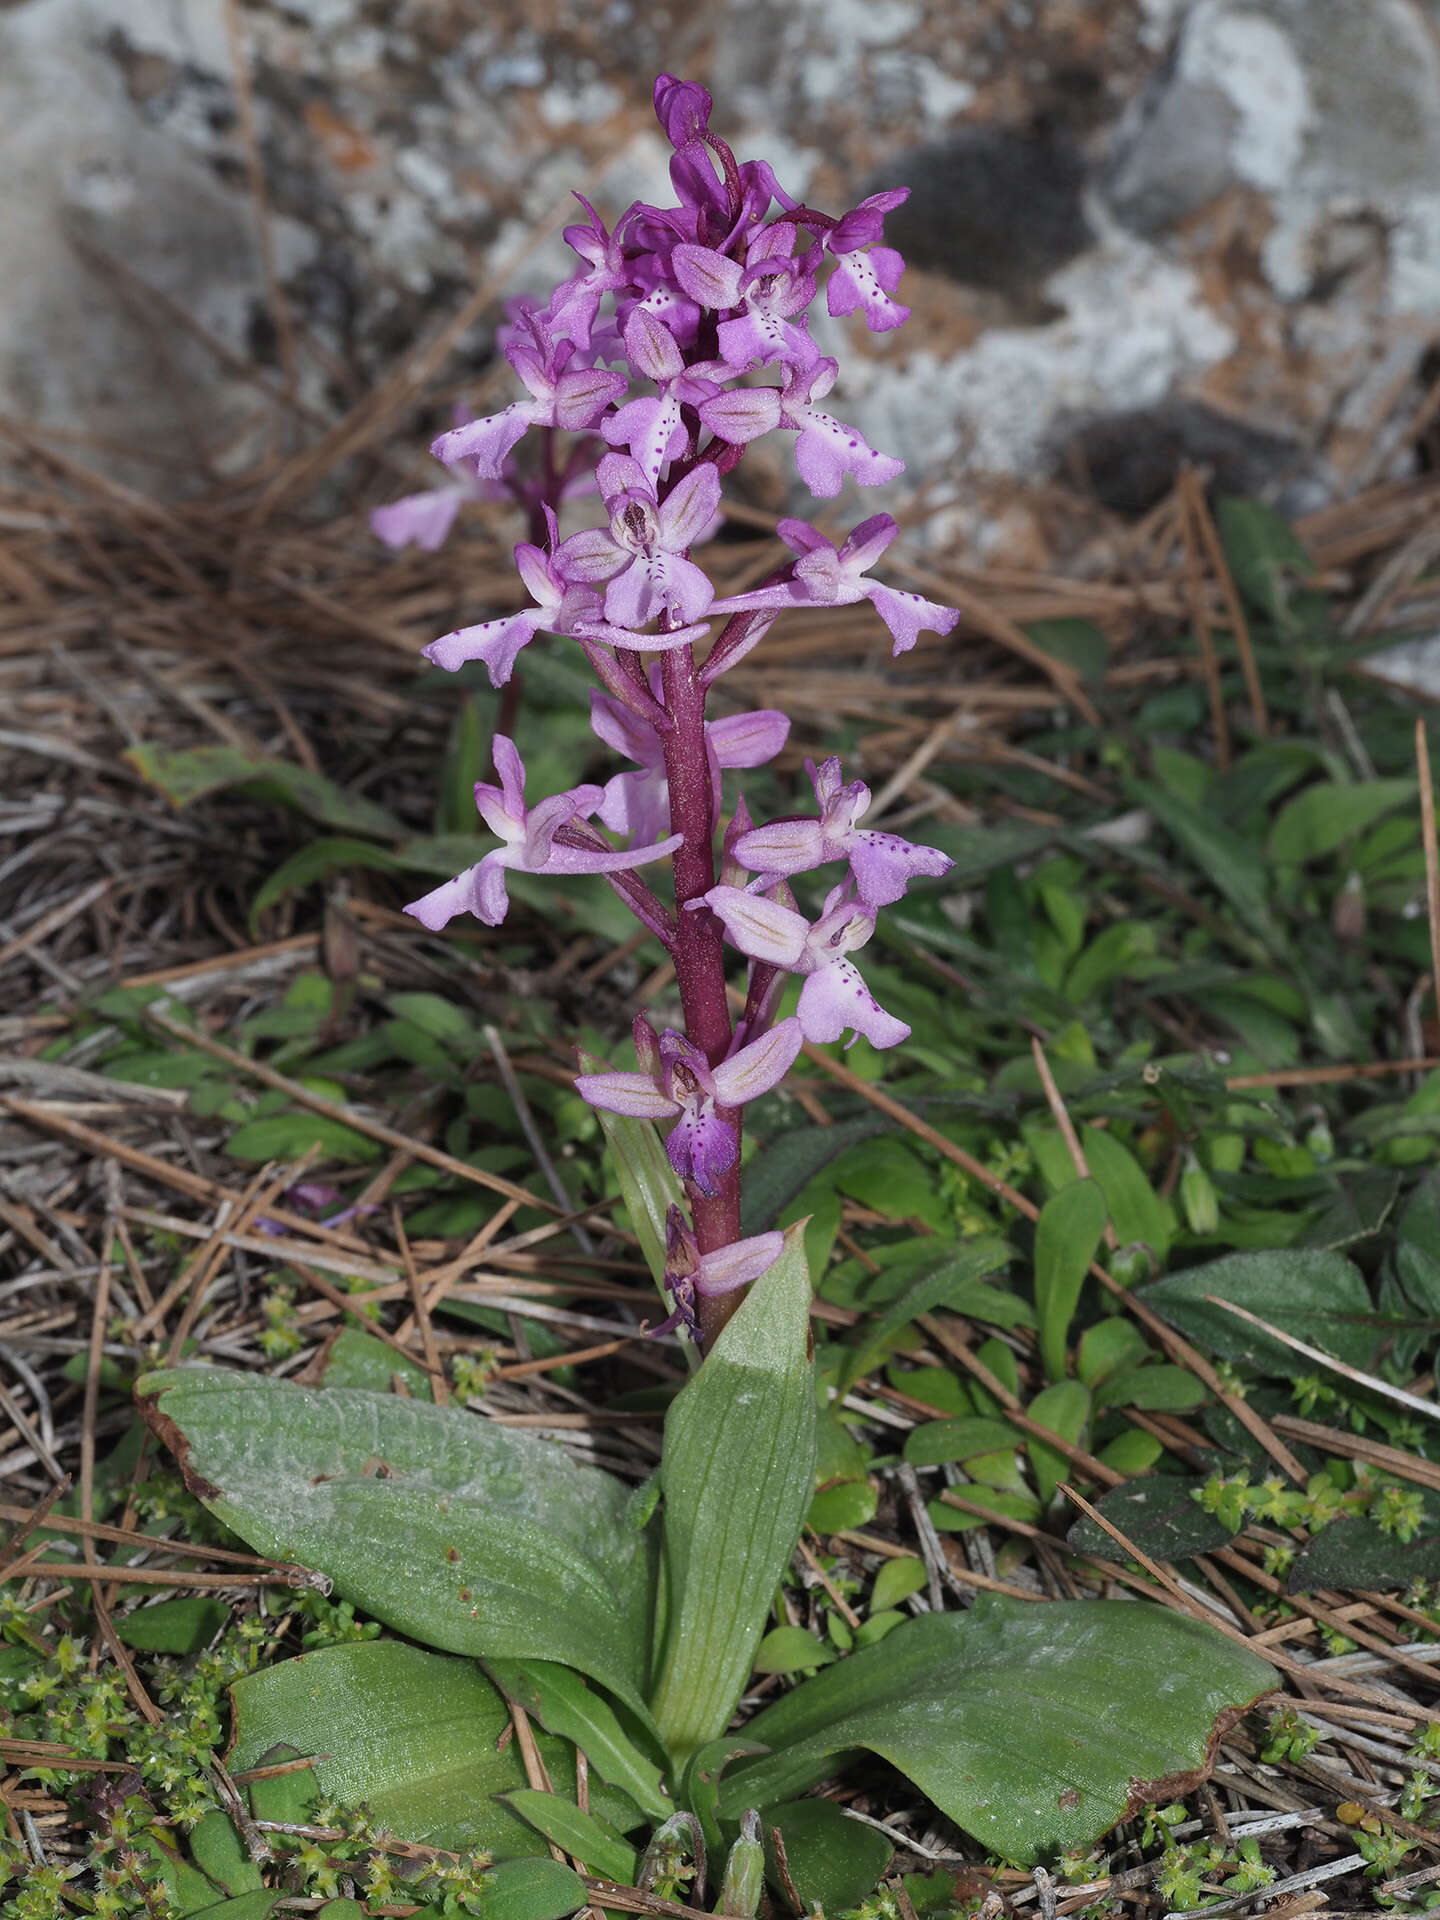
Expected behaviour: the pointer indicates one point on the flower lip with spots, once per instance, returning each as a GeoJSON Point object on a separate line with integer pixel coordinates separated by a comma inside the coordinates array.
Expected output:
{"type": "Point", "coordinates": [881, 864]}
{"type": "Point", "coordinates": [678, 1083]}
{"type": "Point", "coordinates": [834, 998]}
{"type": "Point", "coordinates": [528, 837]}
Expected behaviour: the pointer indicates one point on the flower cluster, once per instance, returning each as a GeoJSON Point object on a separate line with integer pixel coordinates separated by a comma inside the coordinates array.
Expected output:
{"type": "Point", "coordinates": [682, 338]}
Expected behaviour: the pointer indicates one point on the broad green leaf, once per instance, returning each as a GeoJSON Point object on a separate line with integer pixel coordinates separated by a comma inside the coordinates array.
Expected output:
{"type": "Point", "coordinates": [1065, 1409]}
{"type": "Point", "coordinates": [844, 1496]}
{"type": "Point", "coordinates": [541, 1889]}
{"type": "Point", "coordinates": [440, 1018]}
{"type": "Point", "coordinates": [1069, 1230]}
{"type": "Point", "coordinates": [938, 1442]}
{"type": "Point", "coordinates": [791, 1650]}
{"type": "Point", "coordinates": [190, 1890]}
{"type": "Point", "coordinates": [1324, 817]}
{"type": "Point", "coordinates": [286, 1136]}
{"type": "Point", "coordinates": [889, 1177]}
{"type": "Point", "coordinates": [1108, 1346]}
{"type": "Point", "coordinates": [470, 1536]}
{"type": "Point", "coordinates": [218, 1851]}
{"type": "Point", "coordinates": [199, 771]}
{"type": "Point", "coordinates": [1318, 1297]}
{"type": "Point", "coordinates": [1035, 1727]}
{"type": "Point", "coordinates": [1125, 948]}
{"type": "Point", "coordinates": [1351, 1554]}
{"type": "Point", "coordinates": [579, 1834]}
{"type": "Point", "coordinates": [950, 1279]}
{"type": "Point", "coordinates": [173, 1626]}
{"type": "Point", "coordinates": [410, 1733]}
{"type": "Point", "coordinates": [1136, 1211]}
{"type": "Point", "coordinates": [896, 1581]}
{"type": "Point", "coordinates": [779, 1175]}
{"type": "Point", "coordinates": [564, 1705]}
{"type": "Point", "coordinates": [833, 1861]}
{"type": "Point", "coordinates": [257, 1905]}
{"type": "Point", "coordinates": [737, 1475]}
{"type": "Point", "coordinates": [1158, 1515]}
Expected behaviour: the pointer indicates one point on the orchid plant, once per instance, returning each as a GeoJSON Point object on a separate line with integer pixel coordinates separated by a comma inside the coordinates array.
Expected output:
{"type": "Point", "coordinates": [627, 1621]}
{"type": "Point", "coordinates": [683, 340]}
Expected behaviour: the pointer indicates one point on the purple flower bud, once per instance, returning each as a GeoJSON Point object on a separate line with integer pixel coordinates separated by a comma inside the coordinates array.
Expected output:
{"type": "Point", "coordinates": [683, 109]}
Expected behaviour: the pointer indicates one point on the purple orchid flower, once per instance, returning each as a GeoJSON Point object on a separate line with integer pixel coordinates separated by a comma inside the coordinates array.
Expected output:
{"type": "Point", "coordinates": [689, 1272]}
{"type": "Point", "coordinates": [562, 605]}
{"type": "Point", "coordinates": [575, 302]}
{"type": "Point", "coordinates": [642, 555]}
{"type": "Point", "coordinates": [827, 449]}
{"type": "Point", "coordinates": [529, 845]}
{"type": "Point", "coordinates": [677, 1083]}
{"type": "Point", "coordinates": [768, 290]}
{"type": "Point", "coordinates": [881, 864]}
{"type": "Point", "coordinates": [560, 396]}
{"type": "Point", "coordinates": [866, 275]}
{"type": "Point", "coordinates": [834, 997]}
{"type": "Point", "coordinates": [652, 428]}
{"type": "Point", "coordinates": [639, 803]}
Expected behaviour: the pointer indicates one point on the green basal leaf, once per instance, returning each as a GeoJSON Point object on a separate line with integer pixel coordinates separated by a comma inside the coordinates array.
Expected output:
{"type": "Point", "coordinates": [700, 1784]}
{"type": "Point", "coordinates": [200, 771]}
{"type": "Point", "coordinates": [411, 1734]}
{"type": "Point", "coordinates": [564, 1705]}
{"type": "Point", "coordinates": [542, 1889]}
{"type": "Point", "coordinates": [581, 1835]}
{"type": "Point", "coordinates": [1034, 1727]}
{"type": "Point", "coordinates": [736, 1476]}
{"type": "Point", "coordinates": [1318, 1297]}
{"type": "Point", "coordinates": [833, 1861]}
{"type": "Point", "coordinates": [462, 1534]}
{"type": "Point", "coordinates": [1071, 1223]}
{"type": "Point", "coordinates": [173, 1626]}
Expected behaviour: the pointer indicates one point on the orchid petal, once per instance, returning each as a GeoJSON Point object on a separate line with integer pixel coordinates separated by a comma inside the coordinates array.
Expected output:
{"type": "Point", "coordinates": [591, 555]}
{"type": "Point", "coordinates": [422, 518]}
{"type": "Point", "coordinates": [742, 414]}
{"type": "Point", "coordinates": [784, 846]}
{"type": "Point", "coordinates": [762, 928]}
{"type": "Point", "coordinates": [836, 998]}
{"type": "Point", "coordinates": [496, 642]}
{"type": "Point", "coordinates": [572, 860]}
{"type": "Point", "coordinates": [908, 615]}
{"type": "Point", "coordinates": [738, 1264]}
{"type": "Point", "coordinates": [749, 739]}
{"type": "Point", "coordinates": [484, 444]}
{"type": "Point", "coordinates": [884, 865]}
{"type": "Point", "coordinates": [710, 278]}
{"type": "Point", "coordinates": [689, 509]}
{"type": "Point", "coordinates": [760, 1066]}
{"type": "Point", "coordinates": [633, 1094]}
{"type": "Point", "coordinates": [702, 1148]}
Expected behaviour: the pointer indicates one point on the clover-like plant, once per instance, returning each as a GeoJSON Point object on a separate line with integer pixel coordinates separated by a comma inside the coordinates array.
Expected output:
{"type": "Point", "coordinates": [628, 1623]}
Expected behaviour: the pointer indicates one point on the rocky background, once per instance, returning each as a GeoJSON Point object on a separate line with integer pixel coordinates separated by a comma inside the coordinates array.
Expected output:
{"type": "Point", "coordinates": [1141, 230]}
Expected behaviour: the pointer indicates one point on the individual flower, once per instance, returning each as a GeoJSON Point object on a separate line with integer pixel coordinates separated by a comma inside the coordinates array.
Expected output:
{"type": "Point", "coordinates": [560, 396]}
{"type": "Point", "coordinates": [834, 997]}
{"type": "Point", "coordinates": [528, 845]}
{"type": "Point", "coordinates": [830, 576]}
{"type": "Point", "coordinates": [866, 275]}
{"type": "Point", "coordinates": [652, 428]}
{"type": "Point", "coordinates": [881, 864]}
{"type": "Point", "coordinates": [642, 554]}
{"type": "Point", "coordinates": [639, 803]}
{"type": "Point", "coordinates": [575, 302]}
{"type": "Point", "coordinates": [562, 604]}
{"type": "Point", "coordinates": [677, 1083]}
{"type": "Point", "coordinates": [827, 449]}
{"type": "Point", "coordinates": [689, 1272]}
{"type": "Point", "coordinates": [768, 290]}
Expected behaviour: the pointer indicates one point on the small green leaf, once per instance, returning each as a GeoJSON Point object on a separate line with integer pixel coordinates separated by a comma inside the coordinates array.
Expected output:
{"type": "Point", "coordinates": [939, 1442]}
{"type": "Point", "coordinates": [1108, 1346]}
{"type": "Point", "coordinates": [737, 1476]}
{"type": "Point", "coordinates": [1324, 817]}
{"type": "Point", "coordinates": [579, 1834]}
{"type": "Point", "coordinates": [791, 1650]}
{"type": "Point", "coordinates": [173, 1626]}
{"type": "Point", "coordinates": [318, 861]}
{"type": "Point", "coordinates": [357, 1359]}
{"type": "Point", "coordinates": [1069, 1231]}
{"type": "Point", "coordinates": [542, 1889]}
{"type": "Point", "coordinates": [948, 1279]}
{"type": "Point", "coordinates": [790, 1162]}
{"type": "Point", "coordinates": [1153, 1388]}
{"type": "Point", "coordinates": [1030, 1726]}
{"type": "Point", "coordinates": [1264, 555]}
{"type": "Point", "coordinates": [1065, 1409]}
{"type": "Point", "coordinates": [834, 1862]}
{"type": "Point", "coordinates": [256, 1905]}
{"type": "Point", "coordinates": [218, 1851]}
{"type": "Point", "coordinates": [896, 1581]}
{"type": "Point", "coordinates": [1231, 863]}
{"type": "Point", "coordinates": [564, 1705]}
{"type": "Point", "coordinates": [1351, 1554]}
{"type": "Point", "coordinates": [286, 1136]}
